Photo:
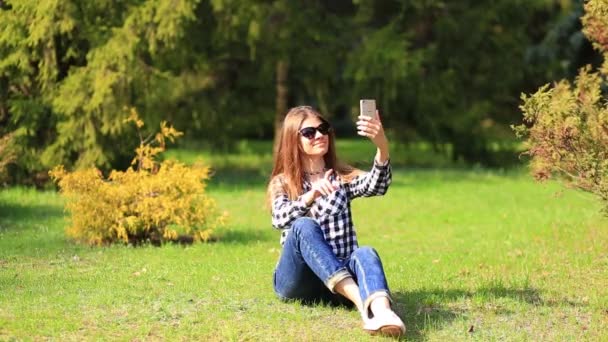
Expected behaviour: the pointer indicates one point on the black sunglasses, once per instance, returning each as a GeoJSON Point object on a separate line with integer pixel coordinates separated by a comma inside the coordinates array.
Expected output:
{"type": "Point", "coordinates": [310, 132]}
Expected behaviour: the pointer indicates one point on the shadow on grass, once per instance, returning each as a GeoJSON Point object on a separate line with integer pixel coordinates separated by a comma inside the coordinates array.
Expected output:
{"type": "Point", "coordinates": [242, 177]}
{"type": "Point", "coordinates": [425, 309]}
{"type": "Point", "coordinates": [15, 212]}
{"type": "Point", "coordinates": [243, 237]}
{"type": "Point", "coordinates": [423, 178]}
{"type": "Point", "coordinates": [238, 177]}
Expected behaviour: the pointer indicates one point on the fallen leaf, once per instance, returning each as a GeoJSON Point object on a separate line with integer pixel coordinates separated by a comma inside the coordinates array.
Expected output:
{"type": "Point", "coordinates": [471, 328]}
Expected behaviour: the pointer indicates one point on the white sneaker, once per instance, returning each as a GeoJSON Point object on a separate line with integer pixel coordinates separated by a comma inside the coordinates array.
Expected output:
{"type": "Point", "coordinates": [387, 323]}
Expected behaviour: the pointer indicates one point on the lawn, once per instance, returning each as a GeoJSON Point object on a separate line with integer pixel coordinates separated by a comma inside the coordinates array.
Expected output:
{"type": "Point", "coordinates": [469, 254]}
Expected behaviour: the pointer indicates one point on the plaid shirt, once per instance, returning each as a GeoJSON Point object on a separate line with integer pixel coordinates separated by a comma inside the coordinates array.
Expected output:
{"type": "Point", "coordinates": [331, 212]}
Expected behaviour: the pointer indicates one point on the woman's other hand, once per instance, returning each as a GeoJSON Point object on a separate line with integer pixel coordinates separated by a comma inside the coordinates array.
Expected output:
{"type": "Point", "coordinates": [324, 186]}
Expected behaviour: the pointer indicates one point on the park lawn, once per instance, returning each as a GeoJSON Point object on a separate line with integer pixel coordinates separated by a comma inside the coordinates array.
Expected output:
{"type": "Point", "coordinates": [469, 254]}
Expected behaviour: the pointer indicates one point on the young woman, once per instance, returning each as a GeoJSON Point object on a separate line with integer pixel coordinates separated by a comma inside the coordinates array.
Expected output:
{"type": "Point", "coordinates": [310, 193]}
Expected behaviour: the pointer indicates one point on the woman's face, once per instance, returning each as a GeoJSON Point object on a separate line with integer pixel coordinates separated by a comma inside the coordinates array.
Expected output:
{"type": "Point", "coordinates": [314, 138]}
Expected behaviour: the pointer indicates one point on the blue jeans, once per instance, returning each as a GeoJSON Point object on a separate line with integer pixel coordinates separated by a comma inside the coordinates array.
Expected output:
{"type": "Point", "coordinates": [308, 269]}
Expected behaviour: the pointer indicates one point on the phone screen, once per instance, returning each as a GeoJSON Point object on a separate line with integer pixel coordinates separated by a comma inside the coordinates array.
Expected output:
{"type": "Point", "coordinates": [368, 107]}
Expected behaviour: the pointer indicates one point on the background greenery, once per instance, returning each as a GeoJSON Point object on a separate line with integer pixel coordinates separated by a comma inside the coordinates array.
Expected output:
{"type": "Point", "coordinates": [444, 73]}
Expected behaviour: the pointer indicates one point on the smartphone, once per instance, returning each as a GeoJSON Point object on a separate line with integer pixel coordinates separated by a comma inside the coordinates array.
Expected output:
{"type": "Point", "coordinates": [367, 107]}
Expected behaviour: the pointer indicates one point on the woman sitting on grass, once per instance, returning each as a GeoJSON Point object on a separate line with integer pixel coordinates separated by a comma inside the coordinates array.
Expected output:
{"type": "Point", "coordinates": [310, 194]}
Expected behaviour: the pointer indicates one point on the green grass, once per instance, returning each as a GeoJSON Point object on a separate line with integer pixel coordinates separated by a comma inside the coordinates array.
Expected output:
{"type": "Point", "coordinates": [492, 250]}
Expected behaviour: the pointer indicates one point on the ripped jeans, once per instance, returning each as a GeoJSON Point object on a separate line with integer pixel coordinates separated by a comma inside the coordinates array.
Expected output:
{"type": "Point", "coordinates": [309, 270]}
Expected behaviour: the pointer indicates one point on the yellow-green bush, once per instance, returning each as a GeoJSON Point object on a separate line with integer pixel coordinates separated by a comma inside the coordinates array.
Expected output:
{"type": "Point", "coordinates": [150, 201]}
{"type": "Point", "coordinates": [566, 123]}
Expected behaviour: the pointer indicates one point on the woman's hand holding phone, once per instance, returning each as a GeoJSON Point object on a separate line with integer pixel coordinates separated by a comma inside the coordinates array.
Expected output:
{"type": "Point", "coordinates": [372, 128]}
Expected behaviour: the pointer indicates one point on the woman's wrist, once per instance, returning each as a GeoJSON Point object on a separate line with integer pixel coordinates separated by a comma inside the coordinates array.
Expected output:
{"type": "Point", "coordinates": [382, 155]}
{"type": "Point", "coordinates": [309, 197]}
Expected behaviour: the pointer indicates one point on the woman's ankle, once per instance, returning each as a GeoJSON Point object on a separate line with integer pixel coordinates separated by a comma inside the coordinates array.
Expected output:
{"type": "Point", "coordinates": [348, 288]}
{"type": "Point", "coordinates": [380, 305]}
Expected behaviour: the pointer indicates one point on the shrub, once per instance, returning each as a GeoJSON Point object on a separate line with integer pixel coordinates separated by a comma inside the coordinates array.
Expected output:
{"type": "Point", "coordinates": [149, 202]}
{"type": "Point", "coordinates": [566, 126]}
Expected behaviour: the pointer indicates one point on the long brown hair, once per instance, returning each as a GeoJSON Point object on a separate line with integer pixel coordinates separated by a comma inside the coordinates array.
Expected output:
{"type": "Point", "coordinates": [287, 169]}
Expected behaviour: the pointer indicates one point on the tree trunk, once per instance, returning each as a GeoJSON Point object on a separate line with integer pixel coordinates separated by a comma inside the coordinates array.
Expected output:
{"type": "Point", "coordinates": [3, 102]}
{"type": "Point", "coordinates": [281, 99]}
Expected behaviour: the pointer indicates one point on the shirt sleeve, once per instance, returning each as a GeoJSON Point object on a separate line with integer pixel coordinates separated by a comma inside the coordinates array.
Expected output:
{"type": "Point", "coordinates": [284, 210]}
{"type": "Point", "coordinates": [372, 183]}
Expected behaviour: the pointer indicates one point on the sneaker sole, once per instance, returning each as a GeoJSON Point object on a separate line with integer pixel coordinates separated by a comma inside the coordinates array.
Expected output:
{"type": "Point", "coordinates": [388, 330]}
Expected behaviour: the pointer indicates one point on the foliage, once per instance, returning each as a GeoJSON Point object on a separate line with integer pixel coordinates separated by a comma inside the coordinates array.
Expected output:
{"type": "Point", "coordinates": [566, 125]}
{"type": "Point", "coordinates": [150, 201]}
{"type": "Point", "coordinates": [443, 72]}
{"type": "Point", "coordinates": [69, 67]}
{"type": "Point", "coordinates": [595, 22]}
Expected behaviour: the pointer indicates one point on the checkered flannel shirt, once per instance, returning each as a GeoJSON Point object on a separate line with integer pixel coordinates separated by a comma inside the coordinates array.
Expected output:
{"type": "Point", "coordinates": [331, 212]}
